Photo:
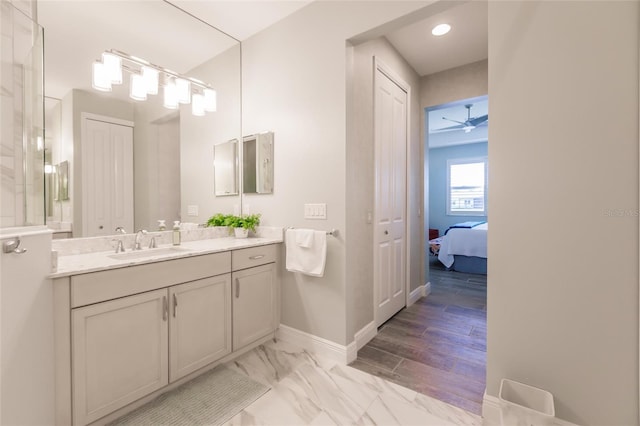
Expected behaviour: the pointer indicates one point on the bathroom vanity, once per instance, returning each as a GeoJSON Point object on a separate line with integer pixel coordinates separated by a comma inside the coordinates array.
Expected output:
{"type": "Point", "coordinates": [132, 325]}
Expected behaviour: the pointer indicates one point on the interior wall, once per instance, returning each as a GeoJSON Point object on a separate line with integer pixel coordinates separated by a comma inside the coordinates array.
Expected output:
{"type": "Point", "coordinates": [438, 218]}
{"type": "Point", "coordinates": [563, 246]}
{"type": "Point", "coordinates": [198, 135]}
{"type": "Point", "coordinates": [360, 182]}
{"type": "Point", "coordinates": [463, 82]}
{"type": "Point", "coordinates": [294, 83]}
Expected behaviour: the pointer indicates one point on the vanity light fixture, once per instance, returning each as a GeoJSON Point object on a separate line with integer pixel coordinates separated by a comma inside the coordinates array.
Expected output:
{"type": "Point", "coordinates": [441, 29]}
{"type": "Point", "coordinates": [197, 105]}
{"type": "Point", "coordinates": [145, 79]}
{"type": "Point", "coordinates": [170, 95]}
{"type": "Point", "coordinates": [100, 80]}
{"type": "Point", "coordinates": [151, 77]}
{"type": "Point", "coordinates": [113, 67]}
{"type": "Point", "coordinates": [138, 88]}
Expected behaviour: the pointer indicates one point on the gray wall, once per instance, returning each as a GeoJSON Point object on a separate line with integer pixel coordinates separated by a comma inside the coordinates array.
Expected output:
{"type": "Point", "coordinates": [198, 135]}
{"type": "Point", "coordinates": [294, 83]}
{"type": "Point", "coordinates": [563, 244]}
{"type": "Point", "coordinates": [361, 171]}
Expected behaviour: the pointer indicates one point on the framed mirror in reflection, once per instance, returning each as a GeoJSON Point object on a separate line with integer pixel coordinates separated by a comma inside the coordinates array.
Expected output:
{"type": "Point", "coordinates": [171, 150]}
{"type": "Point", "coordinates": [257, 163]}
{"type": "Point", "coordinates": [225, 163]}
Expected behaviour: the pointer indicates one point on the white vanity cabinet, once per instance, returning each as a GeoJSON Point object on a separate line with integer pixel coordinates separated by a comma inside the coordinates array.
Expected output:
{"type": "Point", "coordinates": [130, 333]}
{"type": "Point", "coordinates": [119, 353]}
{"type": "Point", "coordinates": [199, 324]}
{"type": "Point", "coordinates": [255, 294]}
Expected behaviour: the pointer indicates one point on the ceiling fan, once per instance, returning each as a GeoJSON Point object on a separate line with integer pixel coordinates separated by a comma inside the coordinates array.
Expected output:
{"type": "Point", "coordinates": [468, 125]}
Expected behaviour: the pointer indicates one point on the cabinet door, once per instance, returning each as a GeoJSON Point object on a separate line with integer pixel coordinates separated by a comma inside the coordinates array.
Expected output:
{"type": "Point", "coordinates": [254, 304]}
{"type": "Point", "coordinates": [119, 353]}
{"type": "Point", "coordinates": [200, 324]}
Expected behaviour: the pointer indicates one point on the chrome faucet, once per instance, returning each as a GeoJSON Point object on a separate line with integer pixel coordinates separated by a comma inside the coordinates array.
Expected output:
{"type": "Point", "coordinates": [120, 230]}
{"type": "Point", "coordinates": [139, 234]}
{"type": "Point", "coordinates": [119, 246]}
{"type": "Point", "coordinates": [152, 243]}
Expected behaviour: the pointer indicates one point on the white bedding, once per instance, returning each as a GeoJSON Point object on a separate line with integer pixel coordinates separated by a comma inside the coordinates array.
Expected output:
{"type": "Point", "coordinates": [465, 242]}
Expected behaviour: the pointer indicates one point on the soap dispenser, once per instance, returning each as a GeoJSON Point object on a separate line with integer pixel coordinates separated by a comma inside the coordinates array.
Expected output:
{"type": "Point", "coordinates": [176, 232]}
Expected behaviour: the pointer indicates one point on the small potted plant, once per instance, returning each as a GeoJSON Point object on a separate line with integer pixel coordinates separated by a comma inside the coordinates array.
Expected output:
{"type": "Point", "coordinates": [243, 224]}
{"type": "Point", "coordinates": [239, 225]}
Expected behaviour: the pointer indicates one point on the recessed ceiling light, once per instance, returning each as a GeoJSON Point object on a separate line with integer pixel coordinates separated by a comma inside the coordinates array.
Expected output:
{"type": "Point", "coordinates": [441, 29]}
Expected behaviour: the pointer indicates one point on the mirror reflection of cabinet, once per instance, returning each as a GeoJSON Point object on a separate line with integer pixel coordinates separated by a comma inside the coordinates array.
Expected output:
{"type": "Point", "coordinates": [257, 163]}
{"type": "Point", "coordinates": [225, 164]}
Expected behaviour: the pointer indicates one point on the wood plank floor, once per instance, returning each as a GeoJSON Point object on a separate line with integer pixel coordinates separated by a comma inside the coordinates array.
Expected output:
{"type": "Point", "coordinates": [438, 345]}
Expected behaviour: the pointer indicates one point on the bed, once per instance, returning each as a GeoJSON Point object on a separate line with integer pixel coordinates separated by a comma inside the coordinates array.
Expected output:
{"type": "Point", "coordinates": [463, 248]}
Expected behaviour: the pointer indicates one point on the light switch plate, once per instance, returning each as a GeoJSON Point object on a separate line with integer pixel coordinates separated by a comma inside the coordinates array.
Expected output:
{"type": "Point", "coordinates": [192, 210]}
{"type": "Point", "coordinates": [315, 211]}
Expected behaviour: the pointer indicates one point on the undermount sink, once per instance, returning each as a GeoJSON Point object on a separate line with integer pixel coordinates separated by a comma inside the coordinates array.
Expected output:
{"type": "Point", "coordinates": [141, 254]}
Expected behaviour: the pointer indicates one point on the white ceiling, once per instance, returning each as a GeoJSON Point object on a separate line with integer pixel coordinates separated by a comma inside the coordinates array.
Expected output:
{"type": "Point", "coordinates": [465, 43]}
{"type": "Point", "coordinates": [77, 32]}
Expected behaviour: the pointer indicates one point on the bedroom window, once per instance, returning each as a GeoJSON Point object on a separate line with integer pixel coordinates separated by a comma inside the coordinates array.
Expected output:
{"type": "Point", "coordinates": [467, 186]}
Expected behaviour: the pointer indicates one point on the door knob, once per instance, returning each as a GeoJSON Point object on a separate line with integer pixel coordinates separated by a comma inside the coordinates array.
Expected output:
{"type": "Point", "coordinates": [386, 232]}
{"type": "Point", "coordinates": [100, 227]}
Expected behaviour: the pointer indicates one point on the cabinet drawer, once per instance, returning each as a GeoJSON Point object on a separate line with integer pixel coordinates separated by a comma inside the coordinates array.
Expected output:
{"type": "Point", "coordinates": [105, 285]}
{"type": "Point", "coordinates": [254, 256]}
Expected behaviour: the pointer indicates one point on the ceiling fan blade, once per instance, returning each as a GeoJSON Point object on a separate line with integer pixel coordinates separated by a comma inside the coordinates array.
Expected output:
{"type": "Point", "coordinates": [478, 120]}
{"type": "Point", "coordinates": [448, 129]}
{"type": "Point", "coordinates": [455, 121]}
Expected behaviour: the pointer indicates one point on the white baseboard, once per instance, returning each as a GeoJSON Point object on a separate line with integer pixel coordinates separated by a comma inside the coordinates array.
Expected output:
{"type": "Point", "coordinates": [323, 347]}
{"type": "Point", "coordinates": [365, 334]}
{"type": "Point", "coordinates": [491, 413]}
{"type": "Point", "coordinates": [490, 410]}
{"type": "Point", "coordinates": [419, 292]}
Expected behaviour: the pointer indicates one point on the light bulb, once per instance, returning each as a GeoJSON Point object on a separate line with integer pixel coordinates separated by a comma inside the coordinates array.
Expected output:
{"type": "Point", "coordinates": [100, 80]}
{"type": "Point", "coordinates": [138, 89]}
{"type": "Point", "coordinates": [113, 67]}
{"type": "Point", "coordinates": [210, 100]}
{"type": "Point", "coordinates": [170, 95]}
{"type": "Point", "coordinates": [440, 30]}
{"type": "Point", "coordinates": [184, 90]}
{"type": "Point", "coordinates": [150, 76]}
{"type": "Point", "coordinates": [197, 106]}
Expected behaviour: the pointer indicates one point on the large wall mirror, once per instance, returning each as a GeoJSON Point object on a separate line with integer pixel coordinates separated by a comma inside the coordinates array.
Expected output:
{"type": "Point", "coordinates": [165, 170]}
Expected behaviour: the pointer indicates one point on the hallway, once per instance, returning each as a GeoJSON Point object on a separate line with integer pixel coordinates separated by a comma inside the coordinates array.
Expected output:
{"type": "Point", "coordinates": [438, 345]}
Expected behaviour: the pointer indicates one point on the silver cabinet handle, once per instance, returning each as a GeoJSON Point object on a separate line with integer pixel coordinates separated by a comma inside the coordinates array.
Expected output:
{"type": "Point", "coordinates": [12, 246]}
{"type": "Point", "coordinates": [256, 257]}
{"type": "Point", "coordinates": [175, 305]}
{"type": "Point", "coordinates": [237, 288]}
{"type": "Point", "coordinates": [165, 308]}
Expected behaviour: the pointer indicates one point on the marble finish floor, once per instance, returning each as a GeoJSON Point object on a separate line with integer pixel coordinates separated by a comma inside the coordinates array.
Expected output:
{"type": "Point", "coordinates": [309, 390]}
{"type": "Point", "coordinates": [438, 345]}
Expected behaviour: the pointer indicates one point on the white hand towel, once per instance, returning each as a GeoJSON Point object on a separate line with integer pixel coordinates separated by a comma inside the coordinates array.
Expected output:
{"type": "Point", "coordinates": [304, 237]}
{"type": "Point", "coordinates": [307, 260]}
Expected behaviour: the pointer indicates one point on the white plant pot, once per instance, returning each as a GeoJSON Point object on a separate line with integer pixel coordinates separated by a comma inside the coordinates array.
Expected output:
{"type": "Point", "coordinates": [241, 232]}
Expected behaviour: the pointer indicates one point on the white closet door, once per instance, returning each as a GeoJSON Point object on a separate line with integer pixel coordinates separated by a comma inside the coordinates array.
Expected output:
{"type": "Point", "coordinates": [122, 177]}
{"type": "Point", "coordinates": [390, 211]}
{"type": "Point", "coordinates": [107, 184]}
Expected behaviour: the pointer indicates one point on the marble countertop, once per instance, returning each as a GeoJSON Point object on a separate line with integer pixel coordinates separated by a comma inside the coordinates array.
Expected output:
{"type": "Point", "coordinates": [104, 260]}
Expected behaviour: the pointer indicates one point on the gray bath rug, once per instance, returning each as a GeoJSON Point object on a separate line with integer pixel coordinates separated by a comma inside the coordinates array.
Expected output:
{"type": "Point", "coordinates": [209, 399]}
